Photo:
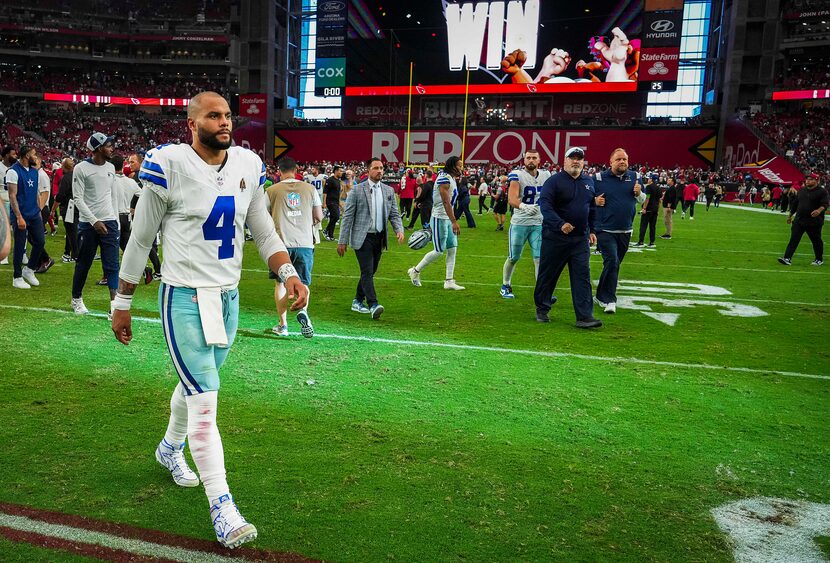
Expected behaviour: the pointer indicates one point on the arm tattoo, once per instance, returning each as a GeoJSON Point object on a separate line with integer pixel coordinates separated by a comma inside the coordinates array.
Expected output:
{"type": "Point", "coordinates": [125, 288]}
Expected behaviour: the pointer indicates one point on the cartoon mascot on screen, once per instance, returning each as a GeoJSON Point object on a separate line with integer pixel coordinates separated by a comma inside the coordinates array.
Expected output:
{"type": "Point", "coordinates": [619, 60]}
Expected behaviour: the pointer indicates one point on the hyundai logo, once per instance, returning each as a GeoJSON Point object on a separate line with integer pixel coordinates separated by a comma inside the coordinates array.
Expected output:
{"type": "Point", "coordinates": [333, 6]}
{"type": "Point", "coordinates": [661, 26]}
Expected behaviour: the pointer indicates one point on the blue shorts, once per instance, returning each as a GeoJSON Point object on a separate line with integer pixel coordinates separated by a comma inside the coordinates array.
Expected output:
{"type": "Point", "coordinates": [442, 235]}
{"type": "Point", "coordinates": [521, 234]}
{"type": "Point", "coordinates": [303, 260]}
{"type": "Point", "coordinates": [196, 363]}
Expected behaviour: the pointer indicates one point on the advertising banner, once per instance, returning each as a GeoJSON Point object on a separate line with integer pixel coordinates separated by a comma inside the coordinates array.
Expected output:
{"type": "Point", "coordinates": [253, 106]}
{"type": "Point", "coordinates": [657, 147]}
{"type": "Point", "coordinates": [776, 170]}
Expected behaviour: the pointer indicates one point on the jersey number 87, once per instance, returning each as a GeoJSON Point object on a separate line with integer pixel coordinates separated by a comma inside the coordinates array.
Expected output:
{"type": "Point", "coordinates": [530, 194]}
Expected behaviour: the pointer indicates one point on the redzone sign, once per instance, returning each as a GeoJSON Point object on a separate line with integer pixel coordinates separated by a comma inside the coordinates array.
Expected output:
{"type": "Point", "coordinates": [665, 147]}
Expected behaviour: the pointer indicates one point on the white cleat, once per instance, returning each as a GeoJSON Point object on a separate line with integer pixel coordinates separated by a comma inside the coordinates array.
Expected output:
{"type": "Point", "coordinates": [172, 458]}
{"type": "Point", "coordinates": [78, 306]}
{"type": "Point", "coordinates": [20, 283]}
{"type": "Point", "coordinates": [415, 276]}
{"type": "Point", "coordinates": [29, 276]}
{"type": "Point", "coordinates": [232, 530]}
{"type": "Point", "coordinates": [611, 308]}
{"type": "Point", "coordinates": [450, 284]}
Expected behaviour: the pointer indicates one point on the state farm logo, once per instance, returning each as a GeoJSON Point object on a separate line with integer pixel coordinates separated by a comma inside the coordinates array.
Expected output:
{"type": "Point", "coordinates": [658, 68]}
{"type": "Point", "coordinates": [654, 57]}
{"type": "Point", "coordinates": [252, 100]}
{"type": "Point", "coordinates": [661, 26]}
{"type": "Point", "coordinates": [333, 6]}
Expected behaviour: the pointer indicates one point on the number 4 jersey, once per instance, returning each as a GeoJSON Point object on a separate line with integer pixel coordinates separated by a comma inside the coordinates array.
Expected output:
{"type": "Point", "coordinates": [202, 210]}
{"type": "Point", "coordinates": [530, 188]}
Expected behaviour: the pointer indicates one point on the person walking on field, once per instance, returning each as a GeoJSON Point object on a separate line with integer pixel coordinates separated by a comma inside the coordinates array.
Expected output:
{"type": "Point", "coordinates": [807, 216]}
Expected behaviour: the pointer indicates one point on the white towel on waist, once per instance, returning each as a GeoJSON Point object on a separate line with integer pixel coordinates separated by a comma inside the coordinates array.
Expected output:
{"type": "Point", "coordinates": [210, 311]}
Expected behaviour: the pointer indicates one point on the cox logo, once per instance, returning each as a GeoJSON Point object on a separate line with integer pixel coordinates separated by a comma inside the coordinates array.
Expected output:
{"type": "Point", "coordinates": [333, 6]}
{"type": "Point", "coordinates": [661, 26]}
{"type": "Point", "coordinates": [329, 72]}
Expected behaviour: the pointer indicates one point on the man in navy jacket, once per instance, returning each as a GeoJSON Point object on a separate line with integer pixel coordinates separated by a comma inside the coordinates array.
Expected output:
{"type": "Point", "coordinates": [621, 190]}
{"type": "Point", "coordinates": [567, 205]}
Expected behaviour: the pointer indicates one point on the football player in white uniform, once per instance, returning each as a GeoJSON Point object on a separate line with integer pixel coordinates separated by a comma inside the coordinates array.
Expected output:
{"type": "Point", "coordinates": [201, 195]}
{"type": "Point", "coordinates": [526, 223]}
{"type": "Point", "coordinates": [443, 223]}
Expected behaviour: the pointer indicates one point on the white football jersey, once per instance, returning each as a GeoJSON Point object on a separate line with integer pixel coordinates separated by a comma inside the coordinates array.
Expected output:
{"type": "Point", "coordinates": [203, 228]}
{"type": "Point", "coordinates": [530, 188]}
{"type": "Point", "coordinates": [443, 179]}
{"type": "Point", "coordinates": [318, 182]}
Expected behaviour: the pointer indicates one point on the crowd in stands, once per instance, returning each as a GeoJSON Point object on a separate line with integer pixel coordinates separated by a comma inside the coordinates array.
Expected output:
{"type": "Point", "coordinates": [805, 78]}
{"type": "Point", "coordinates": [111, 83]}
{"type": "Point", "coordinates": [801, 136]}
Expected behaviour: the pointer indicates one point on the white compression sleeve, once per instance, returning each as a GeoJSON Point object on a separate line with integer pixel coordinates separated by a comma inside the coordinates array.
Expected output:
{"type": "Point", "coordinates": [149, 211]}
{"type": "Point", "coordinates": [206, 444]}
{"type": "Point", "coordinates": [430, 257]}
{"type": "Point", "coordinates": [177, 426]}
{"type": "Point", "coordinates": [451, 262]}
{"type": "Point", "coordinates": [507, 272]}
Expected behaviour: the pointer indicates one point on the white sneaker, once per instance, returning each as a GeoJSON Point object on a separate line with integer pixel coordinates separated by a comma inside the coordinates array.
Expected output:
{"type": "Point", "coordinates": [691, 218]}
{"type": "Point", "coordinates": [415, 276]}
{"type": "Point", "coordinates": [280, 330]}
{"type": "Point", "coordinates": [611, 308]}
{"type": "Point", "coordinates": [29, 276]}
{"type": "Point", "coordinates": [78, 306]}
{"type": "Point", "coordinates": [172, 458]}
{"type": "Point", "coordinates": [450, 284]}
{"type": "Point", "coordinates": [20, 283]}
{"type": "Point", "coordinates": [232, 530]}
{"type": "Point", "coordinates": [4, 261]}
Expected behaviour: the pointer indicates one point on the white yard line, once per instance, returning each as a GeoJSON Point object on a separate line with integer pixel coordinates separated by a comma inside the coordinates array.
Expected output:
{"type": "Point", "coordinates": [135, 546]}
{"type": "Point", "coordinates": [538, 353]}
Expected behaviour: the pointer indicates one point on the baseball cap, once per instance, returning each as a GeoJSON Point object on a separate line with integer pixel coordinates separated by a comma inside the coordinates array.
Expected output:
{"type": "Point", "coordinates": [575, 152]}
{"type": "Point", "coordinates": [56, 165]}
{"type": "Point", "coordinates": [814, 175]}
{"type": "Point", "coordinates": [97, 140]}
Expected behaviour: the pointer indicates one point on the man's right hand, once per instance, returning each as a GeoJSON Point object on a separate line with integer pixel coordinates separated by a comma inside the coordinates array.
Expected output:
{"type": "Point", "coordinates": [455, 228]}
{"type": "Point", "coordinates": [789, 220]}
{"type": "Point", "coordinates": [341, 250]}
{"type": "Point", "coordinates": [600, 200]}
{"type": "Point", "coordinates": [100, 228]}
{"type": "Point", "coordinates": [21, 223]}
{"type": "Point", "coordinates": [122, 326]}
{"type": "Point", "coordinates": [567, 228]}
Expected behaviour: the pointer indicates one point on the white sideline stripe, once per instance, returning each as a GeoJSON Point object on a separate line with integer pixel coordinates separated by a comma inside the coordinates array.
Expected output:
{"type": "Point", "coordinates": [761, 210]}
{"type": "Point", "coordinates": [138, 547]}
{"type": "Point", "coordinates": [539, 353]}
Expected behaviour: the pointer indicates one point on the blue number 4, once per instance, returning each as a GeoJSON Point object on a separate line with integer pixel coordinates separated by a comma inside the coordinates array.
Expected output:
{"type": "Point", "coordinates": [224, 210]}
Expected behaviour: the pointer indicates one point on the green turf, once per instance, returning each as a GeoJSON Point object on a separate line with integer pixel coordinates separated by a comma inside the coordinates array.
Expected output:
{"type": "Point", "coordinates": [359, 451]}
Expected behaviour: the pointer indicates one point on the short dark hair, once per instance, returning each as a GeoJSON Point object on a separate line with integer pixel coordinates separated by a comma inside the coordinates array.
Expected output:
{"type": "Point", "coordinates": [451, 162]}
{"type": "Point", "coordinates": [6, 150]}
{"type": "Point", "coordinates": [335, 168]}
{"type": "Point", "coordinates": [532, 150]}
{"type": "Point", "coordinates": [117, 161]}
{"type": "Point", "coordinates": [287, 164]}
{"type": "Point", "coordinates": [24, 149]}
{"type": "Point", "coordinates": [371, 160]}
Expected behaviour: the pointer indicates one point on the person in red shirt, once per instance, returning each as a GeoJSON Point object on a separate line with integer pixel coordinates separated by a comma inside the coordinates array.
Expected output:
{"type": "Point", "coordinates": [690, 193]}
{"type": "Point", "coordinates": [776, 197]}
{"type": "Point", "coordinates": [407, 192]}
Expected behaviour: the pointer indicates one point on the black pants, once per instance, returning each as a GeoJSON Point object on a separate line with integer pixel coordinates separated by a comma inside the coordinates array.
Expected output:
{"type": "Point", "coordinates": [406, 206]}
{"type": "Point", "coordinates": [717, 200]}
{"type": "Point", "coordinates": [613, 247]}
{"type": "Point", "coordinates": [464, 209]}
{"type": "Point", "coordinates": [785, 203]}
{"type": "Point", "coordinates": [34, 233]}
{"type": "Point", "coordinates": [368, 257]}
{"type": "Point", "coordinates": [426, 213]}
{"type": "Point", "coordinates": [88, 242]}
{"type": "Point", "coordinates": [690, 205]}
{"type": "Point", "coordinates": [70, 247]}
{"type": "Point", "coordinates": [708, 203]}
{"type": "Point", "coordinates": [482, 203]}
{"type": "Point", "coordinates": [813, 231]}
{"type": "Point", "coordinates": [648, 219]}
{"type": "Point", "coordinates": [334, 216]}
{"type": "Point", "coordinates": [124, 230]}
{"type": "Point", "coordinates": [416, 214]}
{"type": "Point", "coordinates": [558, 251]}
{"type": "Point", "coordinates": [154, 257]}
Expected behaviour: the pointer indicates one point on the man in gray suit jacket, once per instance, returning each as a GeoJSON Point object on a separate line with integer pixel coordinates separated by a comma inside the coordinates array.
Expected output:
{"type": "Point", "coordinates": [363, 227]}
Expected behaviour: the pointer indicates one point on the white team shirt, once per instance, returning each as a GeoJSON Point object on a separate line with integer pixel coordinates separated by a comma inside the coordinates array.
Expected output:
{"type": "Point", "coordinates": [318, 182]}
{"type": "Point", "coordinates": [4, 193]}
{"type": "Point", "coordinates": [125, 189]}
{"type": "Point", "coordinates": [203, 211]}
{"type": "Point", "coordinates": [443, 179]}
{"type": "Point", "coordinates": [92, 191]}
{"type": "Point", "coordinates": [530, 188]}
{"type": "Point", "coordinates": [483, 189]}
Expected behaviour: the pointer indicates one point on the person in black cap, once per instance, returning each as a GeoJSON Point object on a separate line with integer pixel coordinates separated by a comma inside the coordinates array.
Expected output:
{"type": "Point", "coordinates": [568, 205]}
{"type": "Point", "coordinates": [808, 211]}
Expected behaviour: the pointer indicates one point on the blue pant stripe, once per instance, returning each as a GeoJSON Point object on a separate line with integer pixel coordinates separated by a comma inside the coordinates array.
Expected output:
{"type": "Point", "coordinates": [184, 374]}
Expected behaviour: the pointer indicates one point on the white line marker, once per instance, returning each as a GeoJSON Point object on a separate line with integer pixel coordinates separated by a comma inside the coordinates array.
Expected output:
{"type": "Point", "coordinates": [138, 547]}
{"type": "Point", "coordinates": [771, 530]}
{"type": "Point", "coordinates": [424, 343]}
{"type": "Point", "coordinates": [665, 318]}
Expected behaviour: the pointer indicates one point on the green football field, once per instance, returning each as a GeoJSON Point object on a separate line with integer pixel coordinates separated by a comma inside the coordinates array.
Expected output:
{"type": "Point", "coordinates": [456, 427]}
